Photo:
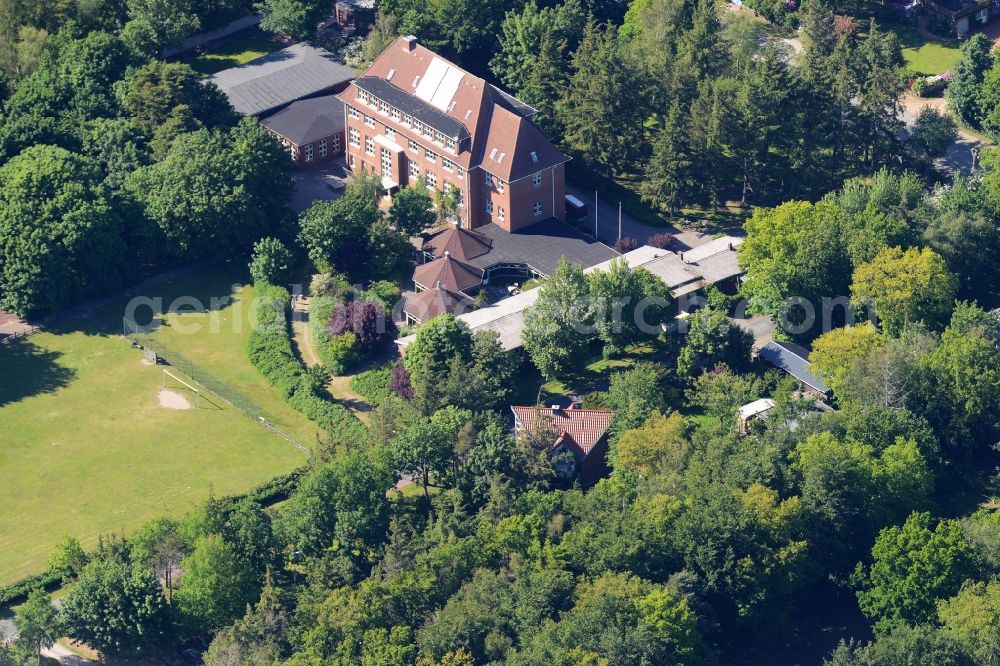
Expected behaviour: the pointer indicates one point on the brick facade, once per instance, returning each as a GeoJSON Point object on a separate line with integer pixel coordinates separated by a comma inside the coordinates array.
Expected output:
{"type": "Point", "coordinates": [484, 143]}
{"type": "Point", "coordinates": [316, 152]}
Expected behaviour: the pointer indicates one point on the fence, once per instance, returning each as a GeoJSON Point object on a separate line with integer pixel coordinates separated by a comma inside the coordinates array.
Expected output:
{"type": "Point", "coordinates": [216, 386]}
{"type": "Point", "coordinates": [17, 335]}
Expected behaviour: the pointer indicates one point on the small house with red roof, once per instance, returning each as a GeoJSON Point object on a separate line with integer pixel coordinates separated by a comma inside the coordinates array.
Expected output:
{"type": "Point", "coordinates": [579, 445]}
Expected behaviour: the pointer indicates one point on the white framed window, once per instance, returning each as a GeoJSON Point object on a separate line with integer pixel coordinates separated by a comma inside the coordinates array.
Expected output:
{"type": "Point", "coordinates": [461, 173]}
{"type": "Point", "coordinates": [439, 137]}
{"type": "Point", "coordinates": [418, 126]}
{"type": "Point", "coordinates": [394, 114]}
{"type": "Point", "coordinates": [411, 144]}
{"type": "Point", "coordinates": [383, 106]}
{"type": "Point", "coordinates": [450, 143]}
{"type": "Point", "coordinates": [307, 151]}
{"type": "Point", "coordinates": [351, 161]}
{"type": "Point", "coordinates": [369, 145]}
{"type": "Point", "coordinates": [537, 208]}
{"type": "Point", "coordinates": [323, 148]}
{"type": "Point", "coordinates": [335, 143]}
{"type": "Point", "coordinates": [500, 186]}
{"type": "Point", "coordinates": [363, 95]}
{"type": "Point", "coordinates": [369, 121]}
{"type": "Point", "coordinates": [354, 136]}
{"type": "Point", "coordinates": [386, 163]}
{"type": "Point", "coordinates": [489, 208]}
{"type": "Point", "coordinates": [500, 212]}
{"type": "Point", "coordinates": [430, 179]}
{"type": "Point", "coordinates": [428, 131]}
{"type": "Point", "coordinates": [390, 133]}
{"type": "Point", "coordinates": [488, 179]}
{"type": "Point", "coordinates": [536, 179]}
{"type": "Point", "coordinates": [447, 164]}
{"type": "Point", "coordinates": [430, 155]}
{"type": "Point", "coordinates": [352, 112]}
{"type": "Point", "coordinates": [414, 171]}
{"type": "Point", "coordinates": [407, 119]}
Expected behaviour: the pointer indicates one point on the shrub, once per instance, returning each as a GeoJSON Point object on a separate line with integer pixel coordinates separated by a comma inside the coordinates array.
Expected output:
{"type": "Point", "coordinates": [367, 320]}
{"type": "Point", "coordinates": [626, 244]}
{"type": "Point", "coordinates": [664, 241]}
{"type": "Point", "coordinates": [373, 385]}
{"type": "Point", "coordinates": [400, 383]}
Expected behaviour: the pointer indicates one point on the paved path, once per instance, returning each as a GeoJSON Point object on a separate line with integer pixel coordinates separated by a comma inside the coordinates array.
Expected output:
{"type": "Point", "coordinates": [607, 223]}
{"type": "Point", "coordinates": [958, 157]}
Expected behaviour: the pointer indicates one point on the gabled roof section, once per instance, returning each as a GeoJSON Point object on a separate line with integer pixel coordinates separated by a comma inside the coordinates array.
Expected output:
{"type": "Point", "coordinates": [281, 77]}
{"type": "Point", "coordinates": [794, 360]}
{"type": "Point", "coordinates": [308, 119]}
{"type": "Point", "coordinates": [449, 273]}
{"type": "Point", "coordinates": [515, 148]}
{"type": "Point", "coordinates": [459, 243]}
{"type": "Point", "coordinates": [432, 84]}
{"type": "Point", "coordinates": [578, 429]}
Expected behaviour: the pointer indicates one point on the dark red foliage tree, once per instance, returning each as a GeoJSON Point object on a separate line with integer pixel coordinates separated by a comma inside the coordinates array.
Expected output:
{"type": "Point", "coordinates": [365, 319]}
{"type": "Point", "coordinates": [663, 241]}
{"type": "Point", "coordinates": [626, 244]}
{"type": "Point", "coordinates": [400, 383]}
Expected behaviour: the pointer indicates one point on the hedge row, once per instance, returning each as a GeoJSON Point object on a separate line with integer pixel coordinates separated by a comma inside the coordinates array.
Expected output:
{"type": "Point", "coordinates": [275, 490]}
{"type": "Point", "coordinates": [269, 348]}
{"type": "Point", "coordinates": [373, 385]}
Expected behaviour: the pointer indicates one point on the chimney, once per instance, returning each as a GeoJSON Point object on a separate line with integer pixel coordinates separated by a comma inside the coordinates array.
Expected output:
{"type": "Point", "coordinates": [409, 43]}
{"type": "Point", "coordinates": [681, 255]}
{"type": "Point", "coordinates": [447, 253]}
{"type": "Point", "coordinates": [438, 285]}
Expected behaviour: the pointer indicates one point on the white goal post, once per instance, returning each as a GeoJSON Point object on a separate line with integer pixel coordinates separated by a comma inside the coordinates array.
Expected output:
{"type": "Point", "coordinates": [197, 391]}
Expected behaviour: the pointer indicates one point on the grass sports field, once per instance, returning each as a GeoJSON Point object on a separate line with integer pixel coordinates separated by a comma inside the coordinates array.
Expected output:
{"type": "Point", "coordinates": [86, 446]}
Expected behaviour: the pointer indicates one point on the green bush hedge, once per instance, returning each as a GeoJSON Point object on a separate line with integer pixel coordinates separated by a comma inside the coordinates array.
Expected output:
{"type": "Point", "coordinates": [269, 348]}
{"type": "Point", "coordinates": [373, 385]}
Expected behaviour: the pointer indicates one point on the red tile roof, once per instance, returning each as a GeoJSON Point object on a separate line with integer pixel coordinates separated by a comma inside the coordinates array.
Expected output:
{"type": "Point", "coordinates": [461, 243]}
{"type": "Point", "coordinates": [579, 429]}
{"type": "Point", "coordinates": [449, 273]}
{"type": "Point", "coordinates": [429, 304]}
{"type": "Point", "coordinates": [498, 123]}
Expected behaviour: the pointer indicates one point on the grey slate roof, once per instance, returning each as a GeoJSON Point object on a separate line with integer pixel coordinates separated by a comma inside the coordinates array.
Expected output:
{"type": "Point", "coordinates": [413, 105]}
{"type": "Point", "coordinates": [540, 246]}
{"type": "Point", "coordinates": [308, 119]}
{"type": "Point", "coordinates": [794, 360]}
{"type": "Point", "coordinates": [281, 77]}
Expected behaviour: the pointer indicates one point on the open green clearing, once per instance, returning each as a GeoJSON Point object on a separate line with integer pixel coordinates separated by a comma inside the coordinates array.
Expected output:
{"type": "Point", "coordinates": [924, 55]}
{"type": "Point", "coordinates": [86, 448]}
{"type": "Point", "coordinates": [242, 48]}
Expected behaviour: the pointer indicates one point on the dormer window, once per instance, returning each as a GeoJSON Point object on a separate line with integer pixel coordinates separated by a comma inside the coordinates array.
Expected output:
{"type": "Point", "coordinates": [450, 143]}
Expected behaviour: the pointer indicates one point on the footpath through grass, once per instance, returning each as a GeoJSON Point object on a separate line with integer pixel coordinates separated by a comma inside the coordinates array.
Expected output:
{"type": "Point", "coordinates": [86, 447]}
{"type": "Point", "coordinates": [244, 47]}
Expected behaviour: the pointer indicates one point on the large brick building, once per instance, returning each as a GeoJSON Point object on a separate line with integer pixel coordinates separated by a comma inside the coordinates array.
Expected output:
{"type": "Point", "coordinates": [415, 117]}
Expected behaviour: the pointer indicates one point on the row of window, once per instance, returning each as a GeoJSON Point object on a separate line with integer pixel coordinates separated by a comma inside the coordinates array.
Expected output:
{"type": "Point", "coordinates": [536, 180]}
{"type": "Point", "coordinates": [537, 208]}
{"type": "Point", "coordinates": [307, 151]}
{"type": "Point", "coordinates": [404, 118]}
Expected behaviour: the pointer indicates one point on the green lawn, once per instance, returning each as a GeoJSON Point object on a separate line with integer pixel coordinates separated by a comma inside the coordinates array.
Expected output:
{"type": "Point", "coordinates": [246, 46]}
{"type": "Point", "coordinates": [927, 56]}
{"type": "Point", "coordinates": [86, 448]}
